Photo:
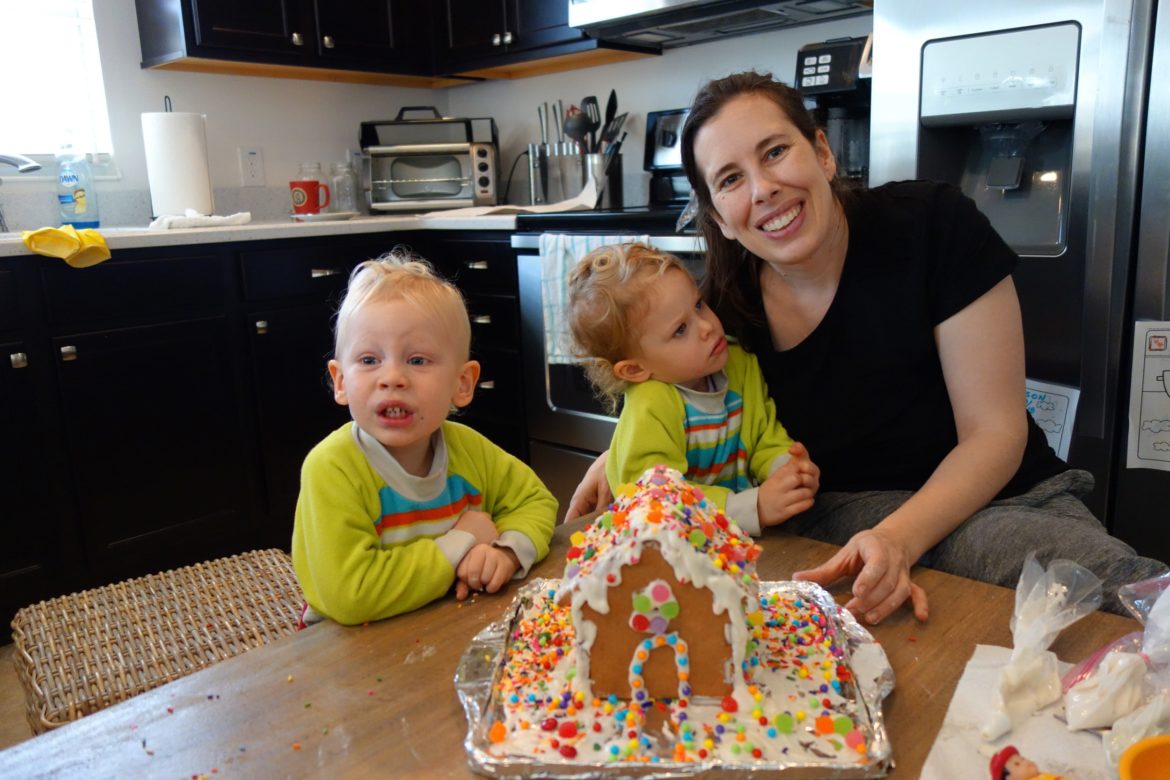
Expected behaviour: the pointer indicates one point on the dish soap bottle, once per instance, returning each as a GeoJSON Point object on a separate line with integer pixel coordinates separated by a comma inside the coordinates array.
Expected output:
{"type": "Point", "coordinates": [76, 197]}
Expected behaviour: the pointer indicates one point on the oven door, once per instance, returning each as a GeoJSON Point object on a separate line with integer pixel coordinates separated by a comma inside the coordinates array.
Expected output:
{"type": "Point", "coordinates": [421, 177]}
{"type": "Point", "coordinates": [567, 425]}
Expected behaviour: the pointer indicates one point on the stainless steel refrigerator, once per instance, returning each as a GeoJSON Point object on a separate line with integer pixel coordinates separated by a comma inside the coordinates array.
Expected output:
{"type": "Point", "coordinates": [1048, 115]}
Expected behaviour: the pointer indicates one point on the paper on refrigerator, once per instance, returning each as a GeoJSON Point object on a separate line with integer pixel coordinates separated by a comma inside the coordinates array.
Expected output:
{"type": "Point", "coordinates": [1149, 398]}
{"type": "Point", "coordinates": [1054, 408]}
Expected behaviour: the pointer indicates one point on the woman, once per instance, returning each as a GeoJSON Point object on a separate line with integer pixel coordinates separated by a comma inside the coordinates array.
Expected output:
{"type": "Point", "coordinates": [888, 329]}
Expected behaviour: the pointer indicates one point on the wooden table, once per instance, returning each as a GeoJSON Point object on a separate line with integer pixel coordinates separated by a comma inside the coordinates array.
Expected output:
{"type": "Point", "coordinates": [378, 700]}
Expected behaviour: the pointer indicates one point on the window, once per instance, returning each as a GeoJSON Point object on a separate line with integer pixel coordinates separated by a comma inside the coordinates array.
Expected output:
{"type": "Point", "coordinates": [49, 56]}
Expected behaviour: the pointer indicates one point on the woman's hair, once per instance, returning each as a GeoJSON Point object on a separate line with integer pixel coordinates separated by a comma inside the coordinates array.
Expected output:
{"type": "Point", "coordinates": [732, 273]}
{"type": "Point", "coordinates": [606, 292]}
{"type": "Point", "coordinates": [401, 275]}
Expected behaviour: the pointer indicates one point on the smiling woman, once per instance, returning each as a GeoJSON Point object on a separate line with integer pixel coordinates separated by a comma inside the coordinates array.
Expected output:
{"type": "Point", "coordinates": [50, 48]}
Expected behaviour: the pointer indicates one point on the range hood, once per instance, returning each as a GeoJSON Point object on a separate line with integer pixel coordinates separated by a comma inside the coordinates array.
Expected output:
{"type": "Point", "coordinates": [672, 23]}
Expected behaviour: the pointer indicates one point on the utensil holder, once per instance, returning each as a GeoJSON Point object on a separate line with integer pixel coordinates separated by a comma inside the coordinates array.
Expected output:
{"type": "Point", "coordinates": [607, 171]}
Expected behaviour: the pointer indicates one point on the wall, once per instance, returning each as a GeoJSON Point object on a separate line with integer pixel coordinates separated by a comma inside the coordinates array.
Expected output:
{"type": "Point", "coordinates": [292, 121]}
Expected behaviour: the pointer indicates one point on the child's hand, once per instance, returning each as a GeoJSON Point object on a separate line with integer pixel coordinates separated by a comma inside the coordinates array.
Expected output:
{"type": "Point", "coordinates": [478, 524]}
{"type": "Point", "coordinates": [485, 568]}
{"type": "Point", "coordinates": [790, 489]}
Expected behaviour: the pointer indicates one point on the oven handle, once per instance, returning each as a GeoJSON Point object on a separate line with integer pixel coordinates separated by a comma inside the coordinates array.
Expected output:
{"type": "Point", "coordinates": [401, 149]}
{"type": "Point", "coordinates": [674, 244]}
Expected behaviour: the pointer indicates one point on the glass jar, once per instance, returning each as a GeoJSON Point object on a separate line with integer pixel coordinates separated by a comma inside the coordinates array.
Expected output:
{"type": "Point", "coordinates": [312, 170]}
{"type": "Point", "coordinates": [344, 183]}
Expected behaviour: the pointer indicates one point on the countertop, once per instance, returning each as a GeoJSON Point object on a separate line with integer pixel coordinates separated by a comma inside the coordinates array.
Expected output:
{"type": "Point", "coordinates": [138, 237]}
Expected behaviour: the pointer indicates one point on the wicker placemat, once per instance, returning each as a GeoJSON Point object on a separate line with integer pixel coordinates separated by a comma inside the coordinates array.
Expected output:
{"type": "Point", "coordinates": [79, 653]}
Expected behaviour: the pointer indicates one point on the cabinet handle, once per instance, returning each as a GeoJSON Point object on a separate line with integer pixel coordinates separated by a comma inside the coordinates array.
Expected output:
{"type": "Point", "coordinates": [18, 360]}
{"type": "Point", "coordinates": [317, 273]}
{"type": "Point", "coordinates": [327, 41]}
{"type": "Point", "coordinates": [476, 265]}
{"type": "Point", "coordinates": [68, 352]}
{"type": "Point", "coordinates": [496, 39]}
{"type": "Point", "coordinates": [482, 319]}
{"type": "Point", "coordinates": [487, 384]}
{"type": "Point", "coordinates": [507, 38]}
{"type": "Point", "coordinates": [297, 40]}
{"type": "Point", "coordinates": [261, 326]}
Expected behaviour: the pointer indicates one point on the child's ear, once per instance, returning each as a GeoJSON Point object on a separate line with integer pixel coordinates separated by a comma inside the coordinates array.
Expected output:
{"type": "Point", "coordinates": [631, 371]}
{"type": "Point", "coordinates": [465, 387]}
{"type": "Point", "coordinates": [338, 380]}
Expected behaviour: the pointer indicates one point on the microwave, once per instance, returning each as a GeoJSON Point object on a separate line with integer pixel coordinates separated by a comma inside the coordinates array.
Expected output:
{"type": "Point", "coordinates": [429, 163]}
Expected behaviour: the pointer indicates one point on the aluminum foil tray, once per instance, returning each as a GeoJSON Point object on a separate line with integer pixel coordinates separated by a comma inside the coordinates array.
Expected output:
{"type": "Point", "coordinates": [858, 701]}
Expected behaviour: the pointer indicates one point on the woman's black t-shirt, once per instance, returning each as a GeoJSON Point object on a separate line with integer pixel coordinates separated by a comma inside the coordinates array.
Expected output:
{"type": "Point", "coordinates": [865, 390]}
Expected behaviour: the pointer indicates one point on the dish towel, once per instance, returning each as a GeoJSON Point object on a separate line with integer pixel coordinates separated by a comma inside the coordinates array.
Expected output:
{"type": "Point", "coordinates": [559, 252]}
{"type": "Point", "coordinates": [193, 219]}
{"type": "Point", "coordinates": [78, 248]}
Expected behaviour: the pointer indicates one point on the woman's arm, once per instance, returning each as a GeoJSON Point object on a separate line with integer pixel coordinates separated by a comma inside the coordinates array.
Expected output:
{"type": "Point", "coordinates": [593, 492]}
{"type": "Point", "coordinates": [982, 353]}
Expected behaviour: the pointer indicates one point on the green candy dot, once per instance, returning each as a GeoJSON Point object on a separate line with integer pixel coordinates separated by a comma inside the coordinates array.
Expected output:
{"type": "Point", "coordinates": [642, 603]}
{"type": "Point", "coordinates": [842, 724]}
{"type": "Point", "coordinates": [669, 610]}
{"type": "Point", "coordinates": [814, 704]}
{"type": "Point", "coordinates": [697, 538]}
{"type": "Point", "coordinates": [784, 723]}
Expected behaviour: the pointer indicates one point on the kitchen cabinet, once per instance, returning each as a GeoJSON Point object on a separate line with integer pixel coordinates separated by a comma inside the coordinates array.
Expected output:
{"type": "Point", "coordinates": [291, 293]}
{"type": "Point", "coordinates": [395, 42]}
{"type": "Point", "coordinates": [483, 266]}
{"type": "Point", "coordinates": [156, 407]}
{"type": "Point", "coordinates": [367, 36]}
{"type": "Point", "coordinates": [39, 556]}
{"type": "Point", "coordinates": [155, 410]}
{"type": "Point", "coordinates": [477, 31]}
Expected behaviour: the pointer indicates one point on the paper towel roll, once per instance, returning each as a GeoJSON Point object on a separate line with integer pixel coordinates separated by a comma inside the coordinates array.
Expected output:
{"type": "Point", "coordinates": [176, 163]}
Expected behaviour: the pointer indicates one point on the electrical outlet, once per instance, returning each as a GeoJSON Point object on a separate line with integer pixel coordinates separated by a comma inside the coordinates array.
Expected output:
{"type": "Point", "coordinates": [251, 166]}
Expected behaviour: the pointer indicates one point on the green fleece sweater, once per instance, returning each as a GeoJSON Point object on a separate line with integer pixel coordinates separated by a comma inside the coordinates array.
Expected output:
{"type": "Point", "coordinates": [728, 440]}
{"type": "Point", "coordinates": [371, 541]}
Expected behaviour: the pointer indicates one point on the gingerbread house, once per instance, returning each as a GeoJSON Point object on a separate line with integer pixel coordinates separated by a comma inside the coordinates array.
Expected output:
{"type": "Point", "coordinates": [663, 595]}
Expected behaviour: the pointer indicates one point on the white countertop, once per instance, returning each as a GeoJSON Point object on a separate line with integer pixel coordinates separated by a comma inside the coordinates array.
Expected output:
{"type": "Point", "coordinates": [137, 237]}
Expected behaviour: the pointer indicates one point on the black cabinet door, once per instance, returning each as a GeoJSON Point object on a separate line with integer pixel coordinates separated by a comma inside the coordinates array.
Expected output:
{"type": "Point", "coordinates": [157, 445]}
{"type": "Point", "coordinates": [258, 26]}
{"type": "Point", "coordinates": [479, 33]}
{"type": "Point", "coordinates": [536, 23]}
{"type": "Point", "coordinates": [377, 35]}
{"type": "Point", "coordinates": [474, 29]}
{"type": "Point", "coordinates": [33, 560]}
{"type": "Point", "coordinates": [294, 401]}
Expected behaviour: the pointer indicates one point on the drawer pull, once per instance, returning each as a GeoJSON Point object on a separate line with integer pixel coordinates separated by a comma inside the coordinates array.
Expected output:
{"type": "Point", "coordinates": [482, 319]}
{"type": "Point", "coordinates": [298, 39]}
{"type": "Point", "coordinates": [507, 38]}
{"type": "Point", "coordinates": [496, 39]}
{"type": "Point", "coordinates": [68, 352]}
{"type": "Point", "coordinates": [487, 384]}
{"type": "Point", "coordinates": [476, 265]}
{"type": "Point", "coordinates": [328, 41]}
{"type": "Point", "coordinates": [261, 327]}
{"type": "Point", "coordinates": [317, 273]}
{"type": "Point", "coordinates": [18, 360]}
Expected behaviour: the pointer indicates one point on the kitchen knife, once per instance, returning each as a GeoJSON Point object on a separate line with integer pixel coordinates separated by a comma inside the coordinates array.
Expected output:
{"type": "Point", "coordinates": [610, 111]}
{"type": "Point", "coordinates": [540, 121]}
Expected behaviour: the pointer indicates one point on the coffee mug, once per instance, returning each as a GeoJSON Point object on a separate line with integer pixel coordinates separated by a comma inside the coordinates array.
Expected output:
{"type": "Point", "coordinates": [309, 196]}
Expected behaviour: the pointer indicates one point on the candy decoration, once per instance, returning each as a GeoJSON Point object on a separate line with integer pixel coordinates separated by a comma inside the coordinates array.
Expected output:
{"type": "Point", "coordinates": [654, 607]}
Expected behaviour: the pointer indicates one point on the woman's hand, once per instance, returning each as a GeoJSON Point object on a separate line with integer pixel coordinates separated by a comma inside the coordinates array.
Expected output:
{"type": "Point", "coordinates": [882, 571]}
{"type": "Point", "coordinates": [593, 492]}
{"type": "Point", "coordinates": [789, 490]}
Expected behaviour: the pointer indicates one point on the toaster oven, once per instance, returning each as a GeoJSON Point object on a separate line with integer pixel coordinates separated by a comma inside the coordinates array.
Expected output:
{"type": "Point", "coordinates": [424, 164]}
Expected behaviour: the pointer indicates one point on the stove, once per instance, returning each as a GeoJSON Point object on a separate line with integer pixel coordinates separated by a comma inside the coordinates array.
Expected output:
{"type": "Point", "coordinates": [567, 426]}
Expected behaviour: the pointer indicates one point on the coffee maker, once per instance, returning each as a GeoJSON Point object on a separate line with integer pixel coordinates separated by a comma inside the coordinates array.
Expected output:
{"type": "Point", "coordinates": [663, 157]}
{"type": "Point", "coordinates": [834, 78]}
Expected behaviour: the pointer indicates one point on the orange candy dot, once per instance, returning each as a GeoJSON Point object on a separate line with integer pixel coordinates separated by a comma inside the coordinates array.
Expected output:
{"type": "Point", "coordinates": [498, 732]}
{"type": "Point", "coordinates": [824, 724]}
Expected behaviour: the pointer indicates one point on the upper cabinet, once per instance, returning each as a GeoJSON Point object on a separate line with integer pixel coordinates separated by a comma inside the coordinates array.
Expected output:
{"type": "Point", "coordinates": [404, 42]}
{"type": "Point", "coordinates": [371, 41]}
{"type": "Point", "coordinates": [479, 30]}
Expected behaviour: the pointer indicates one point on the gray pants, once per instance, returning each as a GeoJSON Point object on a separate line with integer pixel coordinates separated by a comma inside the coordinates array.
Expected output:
{"type": "Point", "coordinates": [991, 545]}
